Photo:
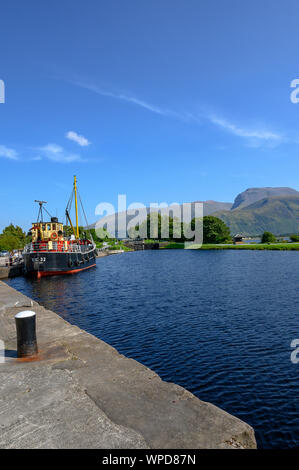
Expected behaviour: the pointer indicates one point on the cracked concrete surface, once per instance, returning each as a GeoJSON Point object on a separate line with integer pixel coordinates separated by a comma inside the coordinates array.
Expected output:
{"type": "Point", "coordinates": [81, 393]}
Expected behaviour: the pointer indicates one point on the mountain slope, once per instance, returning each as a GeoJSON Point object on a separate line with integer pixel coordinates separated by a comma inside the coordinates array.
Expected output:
{"type": "Point", "coordinates": [278, 214]}
{"type": "Point", "coordinates": [252, 195]}
{"type": "Point", "coordinates": [254, 211]}
{"type": "Point", "coordinates": [209, 207]}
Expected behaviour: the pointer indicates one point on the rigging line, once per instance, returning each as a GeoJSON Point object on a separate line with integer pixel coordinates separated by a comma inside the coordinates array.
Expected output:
{"type": "Point", "coordinates": [85, 217]}
{"type": "Point", "coordinates": [69, 204]}
{"type": "Point", "coordinates": [80, 216]}
{"type": "Point", "coordinates": [47, 212]}
{"type": "Point", "coordinates": [39, 215]}
{"type": "Point", "coordinates": [68, 208]}
{"type": "Point", "coordinates": [72, 198]}
{"type": "Point", "coordinates": [83, 209]}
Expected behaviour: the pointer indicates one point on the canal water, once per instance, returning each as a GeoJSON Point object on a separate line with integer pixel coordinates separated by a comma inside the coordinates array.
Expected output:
{"type": "Point", "coordinates": [219, 323]}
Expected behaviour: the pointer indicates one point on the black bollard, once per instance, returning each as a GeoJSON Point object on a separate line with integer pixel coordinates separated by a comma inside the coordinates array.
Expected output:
{"type": "Point", "coordinates": [26, 333]}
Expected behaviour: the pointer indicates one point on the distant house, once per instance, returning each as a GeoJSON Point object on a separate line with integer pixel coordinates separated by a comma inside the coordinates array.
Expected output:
{"type": "Point", "coordinates": [238, 239]}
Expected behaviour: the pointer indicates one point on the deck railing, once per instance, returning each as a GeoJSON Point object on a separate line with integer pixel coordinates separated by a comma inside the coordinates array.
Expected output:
{"type": "Point", "coordinates": [50, 247]}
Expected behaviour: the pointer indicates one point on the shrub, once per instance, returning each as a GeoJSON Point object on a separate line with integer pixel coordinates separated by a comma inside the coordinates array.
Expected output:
{"type": "Point", "coordinates": [268, 237]}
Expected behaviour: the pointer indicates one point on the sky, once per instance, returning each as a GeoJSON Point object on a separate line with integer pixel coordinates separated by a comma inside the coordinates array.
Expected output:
{"type": "Point", "coordinates": [164, 101]}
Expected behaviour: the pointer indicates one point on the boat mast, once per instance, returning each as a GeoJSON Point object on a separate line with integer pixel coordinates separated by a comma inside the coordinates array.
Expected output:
{"type": "Point", "coordinates": [40, 212]}
{"type": "Point", "coordinates": [76, 204]}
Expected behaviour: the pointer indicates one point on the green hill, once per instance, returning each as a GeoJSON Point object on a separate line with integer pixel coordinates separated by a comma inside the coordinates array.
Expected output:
{"type": "Point", "coordinates": [252, 195]}
{"type": "Point", "coordinates": [277, 214]}
{"type": "Point", "coordinates": [254, 211]}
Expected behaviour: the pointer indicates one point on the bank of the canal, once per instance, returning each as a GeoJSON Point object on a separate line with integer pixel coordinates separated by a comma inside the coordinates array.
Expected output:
{"type": "Point", "coordinates": [81, 393]}
{"type": "Point", "coordinates": [11, 271]}
{"type": "Point", "coordinates": [228, 246]}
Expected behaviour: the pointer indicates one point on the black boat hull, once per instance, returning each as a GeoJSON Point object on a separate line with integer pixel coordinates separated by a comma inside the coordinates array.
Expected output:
{"type": "Point", "coordinates": [46, 263]}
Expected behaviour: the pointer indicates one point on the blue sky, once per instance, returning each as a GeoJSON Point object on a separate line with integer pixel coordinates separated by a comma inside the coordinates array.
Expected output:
{"type": "Point", "coordinates": [165, 101]}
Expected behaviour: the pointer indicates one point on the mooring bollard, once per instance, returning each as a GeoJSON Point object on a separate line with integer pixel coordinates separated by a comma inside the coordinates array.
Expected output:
{"type": "Point", "coordinates": [26, 333]}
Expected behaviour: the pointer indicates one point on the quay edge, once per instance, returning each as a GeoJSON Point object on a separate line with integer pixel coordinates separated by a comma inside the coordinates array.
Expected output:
{"type": "Point", "coordinates": [81, 393]}
{"type": "Point", "coordinates": [11, 271]}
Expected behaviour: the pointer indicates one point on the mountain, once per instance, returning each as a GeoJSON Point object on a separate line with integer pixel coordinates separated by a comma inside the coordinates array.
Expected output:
{"type": "Point", "coordinates": [252, 195]}
{"type": "Point", "coordinates": [209, 207]}
{"type": "Point", "coordinates": [254, 211]}
{"type": "Point", "coordinates": [277, 214]}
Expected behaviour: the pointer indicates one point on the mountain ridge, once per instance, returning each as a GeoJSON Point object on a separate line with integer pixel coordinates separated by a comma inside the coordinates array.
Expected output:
{"type": "Point", "coordinates": [276, 214]}
{"type": "Point", "coordinates": [251, 195]}
{"type": "Point", "coordinates": [251, 213]}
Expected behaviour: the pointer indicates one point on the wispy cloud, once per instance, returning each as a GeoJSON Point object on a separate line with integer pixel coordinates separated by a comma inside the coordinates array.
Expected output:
{"type": "Point", "coordinates": [56, 153]}
{"type": "Point", "coordinates": [79, 139]}
{"type": "Point", "coordinates": [36, 159]}
{"type": "Point", "coordinates": [133, 100]}
{"type": "Point", "coordinates": [6, 152]}
{"type": "Point", "coordinates": [255, 135]}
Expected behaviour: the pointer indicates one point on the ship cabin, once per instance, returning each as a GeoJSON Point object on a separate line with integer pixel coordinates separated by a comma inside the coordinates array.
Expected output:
{"type": "Point", "coordinates": [47, 231]}
{"type": "Point", "coordinates": [48, 236]}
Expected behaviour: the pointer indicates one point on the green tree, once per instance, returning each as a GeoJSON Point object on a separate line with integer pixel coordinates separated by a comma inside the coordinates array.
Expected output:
{"type": "Point", "coordinates": [214, 230]}
{"type": "Point", "coordinates": [149, 228]}
{"type": "Point", "coordinates": [67, 230]}
{"type": "Point", "coordinates": [294, 238]}
{"type": "Point", "coordinates": [268, 237]}
{"type": "Point", "coordinates": [100, 234]}
{"type": "Point", "coordinates": [153, 223]}
{"type": "Point", "coordinates": [82, 232]}
{"type": "Point", "coordinates": [12, 238]}
{"type": "Point", "coordinates": [15, 231]}
{"type": "Point", "coordinates": [9, 242]}
{"type": "Point", "coordinates": [158, 227]}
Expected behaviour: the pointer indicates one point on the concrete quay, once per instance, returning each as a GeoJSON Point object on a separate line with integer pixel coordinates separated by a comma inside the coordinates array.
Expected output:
{"type": "Point", "coordinates": [11, 271]}
{"type": "Point", "coordinates": [79, 392]}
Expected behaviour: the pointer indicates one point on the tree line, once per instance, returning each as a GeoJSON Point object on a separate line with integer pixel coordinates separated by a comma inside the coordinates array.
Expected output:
{"type": "Point", "coordinates": [215, 231]}
{"type": "Point", "coordinates": [172, 229]}
{"type": "Point", "coordinates": [13, 238]}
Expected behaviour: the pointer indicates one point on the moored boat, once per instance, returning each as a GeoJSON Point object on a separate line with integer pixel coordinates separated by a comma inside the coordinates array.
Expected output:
{"type": "Point", "coordinates": [52, 252]}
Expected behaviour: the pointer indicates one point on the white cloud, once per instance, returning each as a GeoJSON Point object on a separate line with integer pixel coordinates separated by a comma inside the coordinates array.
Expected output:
{"type": "Point", "coordinates": [132, 100]}
{"type": "Point", "coordinates": [5, 152]}
{"type": "Point", "coordinates": [256, 135]}
{"type": "Point", "coordinates": [79, 139]}
{"type": "Point", "coordinates": [52, 148]}
{"type": "Point", "coordinates": [56, 153]}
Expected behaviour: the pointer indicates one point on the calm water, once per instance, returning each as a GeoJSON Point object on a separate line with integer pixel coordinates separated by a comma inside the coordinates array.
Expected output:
{"type": "Point", "coordinates": [218, 323]}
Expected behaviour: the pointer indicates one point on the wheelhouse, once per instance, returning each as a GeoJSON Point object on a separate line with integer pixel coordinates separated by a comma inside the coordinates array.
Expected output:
{"type": "Point", "coordinates": [47, 231]}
